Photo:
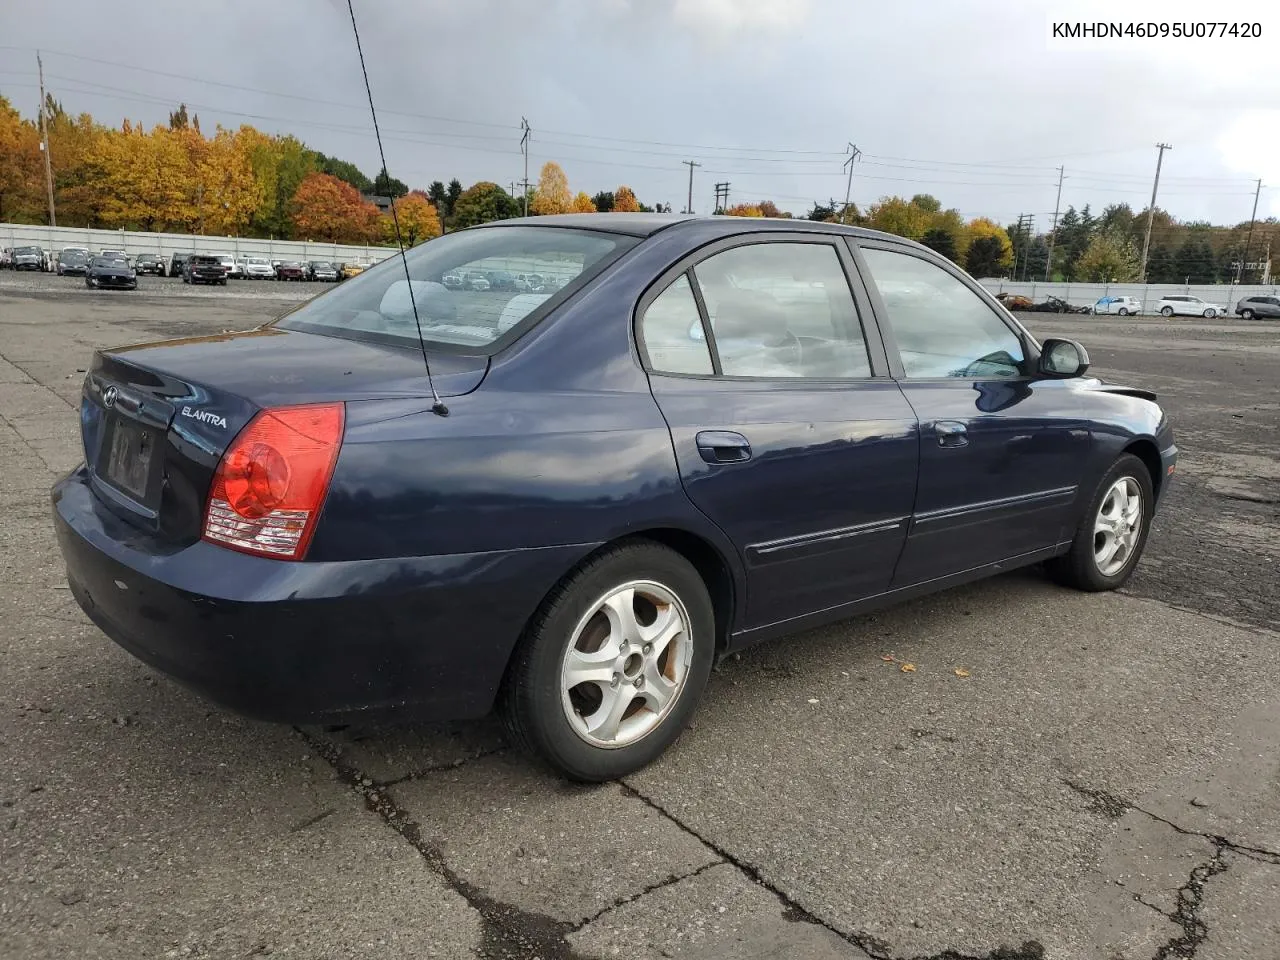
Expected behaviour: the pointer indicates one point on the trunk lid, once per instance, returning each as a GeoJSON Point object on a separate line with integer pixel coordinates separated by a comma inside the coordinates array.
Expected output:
{"type": "Point", "coordinates": [156, 418]}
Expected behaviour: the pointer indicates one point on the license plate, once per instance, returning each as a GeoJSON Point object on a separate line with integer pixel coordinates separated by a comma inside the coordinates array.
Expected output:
{"type": "Point", "coordinates": [129, 460]}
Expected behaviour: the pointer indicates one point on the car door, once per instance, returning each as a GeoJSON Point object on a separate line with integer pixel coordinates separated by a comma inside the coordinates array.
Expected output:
{"type": "Point", "coordinates": [788, 431]}
{"type": "Point", "coordinates": [1001, 452]}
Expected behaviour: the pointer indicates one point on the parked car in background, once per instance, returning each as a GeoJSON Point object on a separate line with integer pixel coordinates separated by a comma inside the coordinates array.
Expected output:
{"type": "Point", "coordinates": [322, 270]}
{"type": "Point", "coordinates": [204, 268]}
{"type": "Point", "coordinates": [259, 268]}
{"type": "Point", "coordinates": [178, 264]}
{"type": "Point", "coordinates": [331, 546]}
{"type": "Point", "coordinates": [29, 258]}
{"type": "Point", "coordinates": [151, 263]}
{"type": "Point", "coordinates": [1014, 301]}
{"type": "Point", "coordinates": [1262, 307]}
{"type": "Point", "coordinates": [290, 270]}
{"type": "Point", "coordinates": [1188, 306]}
{"type": "Point", "coordinates": [75, 249]}
{"type": "Point", "coordinates": [72, 263]}
{"type": "Point", "coordinates": [114, 255]}
{"type": "Point", "coordinates": [1056, 305]}
{"type": "Point", "coordinates": [452, 281]}
{"type": "Point", "coordinates": [230, 266]}
{"type": "Point", "coordinates": [351, 269]}
{"type": "Point", "coordinates": [475, 280]}
{"type": "Point", "coordinates": [529, 282]}
{"type": "Point", "coordinates": [501, 280]}
{"type": "Point", "coordinates": [1119, 306]}
{"type": "Point", "coordinates": [110, 273]}
{"type": "Point", "coordinates": [6, 258]}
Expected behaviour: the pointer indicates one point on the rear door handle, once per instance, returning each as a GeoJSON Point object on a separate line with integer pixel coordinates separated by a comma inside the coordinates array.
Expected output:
{"type": "Point", "coordinates": [951, 433]}
{"type": "Point", "coordinates": [723, 446]}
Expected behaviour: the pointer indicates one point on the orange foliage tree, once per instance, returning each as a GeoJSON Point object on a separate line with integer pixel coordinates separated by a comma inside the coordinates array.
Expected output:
{"type": "Point", "coordinates": [419, 219]}
{"type": "Point", "coordinates": [624, 201]}
{"type": "Point", "coordinates": [552, 195]}
{"type": "Point", "coordinates": [583, 203]}
{"type": "Point", "coordinates": [325, 208]}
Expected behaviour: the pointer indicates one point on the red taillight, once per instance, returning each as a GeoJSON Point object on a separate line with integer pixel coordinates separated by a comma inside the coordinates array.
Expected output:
{"type": "Point", "coordinates": [272, 481]}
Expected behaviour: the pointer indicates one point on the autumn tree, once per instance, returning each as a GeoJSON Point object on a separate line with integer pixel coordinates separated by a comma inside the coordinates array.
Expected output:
{"type": "Point", "coordinates": [345, 171]}
{"type": "Point", "coordinates": [982, 228]}
{"type": "Point", "coordinates": [552, 194]}
{"type": "Point", "coordinates": [20, 166]}
{"type": "Point", "coordinates": [419, 219]}
{"type": "Point", "coordinates": [744, 210]}
{"type": "Point", "coordinates": [583, 203]}
{"type": "Point", "coordinates": [1109, 258]}
{"type": "Point", "coordinates": [482, 202]}
{"type": "Point", "coordinates": [926, 202]}
{"type": "Point", "coordinates": [624, 201]}
{"type": "Point", "coordinates": [326, 208]}
{"type": "Point", "coordinates": [897, 216]}
{"type": "Point", "coordinates": [770, 209]}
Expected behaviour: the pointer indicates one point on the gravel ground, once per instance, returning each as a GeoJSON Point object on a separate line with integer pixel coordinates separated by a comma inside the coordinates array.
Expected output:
{"type": "Point", "coordinates": [1100, 785]}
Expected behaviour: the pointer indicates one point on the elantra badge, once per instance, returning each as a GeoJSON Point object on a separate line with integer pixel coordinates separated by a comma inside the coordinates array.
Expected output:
{"type": "Point", "coordinates": [109, 396]}
{"type": "Point", "coordinates": [204, 416]}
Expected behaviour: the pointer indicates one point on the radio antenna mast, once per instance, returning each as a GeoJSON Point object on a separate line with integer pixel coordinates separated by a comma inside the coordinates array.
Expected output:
{"type": "Point", "coordinates": [437, 405]}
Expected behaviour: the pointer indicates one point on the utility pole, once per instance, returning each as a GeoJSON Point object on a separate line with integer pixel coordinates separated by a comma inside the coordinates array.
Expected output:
{"type": "Point", "coordinates": [44, 144]}
{"type": "Point", "coordinates": [1151, 210]}
{"type": "Point", "coordinates": [854, 154]}
{"type": "Point", "coordinates": [722, 196]}
{"type": "Point", "coordinates": [524, 148]}
{"type": "Point", "coordinates": [689, 203]}
{"type": "Point", "coordinates": [1057, 204]}
{"type": "Point", "coordinates": [200, 205]}
{"type": "Point", "coordinates": [1252, 217]}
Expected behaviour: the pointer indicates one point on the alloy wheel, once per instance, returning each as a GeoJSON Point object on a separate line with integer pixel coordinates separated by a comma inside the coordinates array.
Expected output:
{"type": "Point", "coordinates": [1118, 526]}
{"type": "Point", "coordinates": [626, 664]}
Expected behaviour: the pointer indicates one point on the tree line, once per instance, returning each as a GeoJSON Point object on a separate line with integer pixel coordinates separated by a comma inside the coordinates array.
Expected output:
{"type": "Point", "coordinates": [248, 183]}
{"type": "Point", "coordinates": [243, 182]}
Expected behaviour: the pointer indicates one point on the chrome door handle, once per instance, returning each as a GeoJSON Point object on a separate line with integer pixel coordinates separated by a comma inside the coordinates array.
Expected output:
{"type": "Point", "coordinates": [723, 446]}
{"type": "Point", "coordinates": [951, 433]}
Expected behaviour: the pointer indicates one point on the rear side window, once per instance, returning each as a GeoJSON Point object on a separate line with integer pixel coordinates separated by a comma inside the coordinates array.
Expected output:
{"type": "Point", "coordinates": [782, 310]}
{"type": "Point", "coordinates": [671, 331]}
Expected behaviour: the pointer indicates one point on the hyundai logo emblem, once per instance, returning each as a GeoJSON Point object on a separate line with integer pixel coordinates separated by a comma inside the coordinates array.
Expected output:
{"type": "Point", "coordinates": [109, 396]}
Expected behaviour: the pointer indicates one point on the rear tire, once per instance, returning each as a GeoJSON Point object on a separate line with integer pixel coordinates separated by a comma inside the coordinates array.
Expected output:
{"type": "Point", "coordinates": [1124, 311]}
{"type": "Point", "coordinates": [1093, 564]}
{"type": "Point", "coordinates": [639, 617]}
{"type": "Point", "coordinates": [1167, 312]}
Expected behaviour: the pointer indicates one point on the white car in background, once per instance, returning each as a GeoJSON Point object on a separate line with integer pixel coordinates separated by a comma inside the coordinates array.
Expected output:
{"type": "Point", "coordinates": [1122, 306]}
{"type": "Point", "coordinates": [259, 268]}
{"type": "Point", "coordinates": [1187, 306]}
{"type": "Point", "coordinates": [232, 266]}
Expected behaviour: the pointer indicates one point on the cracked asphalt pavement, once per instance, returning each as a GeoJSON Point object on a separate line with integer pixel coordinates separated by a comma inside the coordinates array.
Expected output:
{"type": "Point", "coordinates": [1102, 784]}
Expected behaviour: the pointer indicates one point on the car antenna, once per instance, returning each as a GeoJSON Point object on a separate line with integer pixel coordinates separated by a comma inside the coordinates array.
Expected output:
{"type": "Point", "coordinates": [437, 405]}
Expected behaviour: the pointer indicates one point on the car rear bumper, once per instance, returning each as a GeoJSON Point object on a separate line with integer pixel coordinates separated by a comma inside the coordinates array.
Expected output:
{"type": "Point", "coordinates": [420, 637]}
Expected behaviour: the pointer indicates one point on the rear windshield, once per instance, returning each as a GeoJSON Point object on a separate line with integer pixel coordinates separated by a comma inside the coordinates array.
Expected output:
{"type": "Point", "coordinates": [207, 260]}
{"type": "Point", "coordinates": [457, 305]}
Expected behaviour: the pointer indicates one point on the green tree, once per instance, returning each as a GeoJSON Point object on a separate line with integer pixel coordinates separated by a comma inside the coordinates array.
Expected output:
{"type": "Point", "coordinates": [1194, 261]}
{"type": "Point", "coordinates": [951, 223]}
{"type": "Point", "coordinates": [344, 171]}
{"type": "Point", "coordinates": [1109, 258]}
{"type": "Point", "coordinates": [936, 238]}
{"type": "Point", "coordinates": [482, 202]}
{"type": "Point", "coordinates": [1161, 267]}
{"type": "Point", "coordinates": [436, 194]}
{"type": "Point", "coordinates": [926, 202]}
{"type": "Point", "coordinates": [1117, 218]}
{"type": "Point", "coordinates": [1037, 259]}
{"type": "Point", "coordinates": [385, 185]}
{"type": "Point", "coordinates": [985, 257]}
{"type": "Point", "coordinates": [603, 201]}
{"type": "Point", "coordinates": [897, 216]}
{"type": "Point", "coordinates": [820, 213]}
{"type": "Point", "coordinates": [178, 119]}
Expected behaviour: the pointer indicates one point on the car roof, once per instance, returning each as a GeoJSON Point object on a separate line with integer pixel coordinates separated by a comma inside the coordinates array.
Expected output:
{"type": "Point", "coordinates": [647, 224]}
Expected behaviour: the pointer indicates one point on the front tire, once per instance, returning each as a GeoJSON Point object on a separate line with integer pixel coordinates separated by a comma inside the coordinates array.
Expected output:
{"type": "Point", "coordinates": [612, 666]}
{"type": "Point", "coordinates": [1210, 314]}
{"type": "Point", "coordinates": [1112, 532]}
{"type": "Point", "coordinates": [1246, 314]}
{"type": "Point", "coordinates": [1124, 311]}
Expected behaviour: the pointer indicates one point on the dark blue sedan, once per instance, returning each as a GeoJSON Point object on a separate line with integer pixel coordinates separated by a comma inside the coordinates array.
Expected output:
{"type": "Point", "coordinates": [705, 433]}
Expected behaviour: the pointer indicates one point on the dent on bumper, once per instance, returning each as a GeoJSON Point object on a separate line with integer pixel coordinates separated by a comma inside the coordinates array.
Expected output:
{"type": "Point", "coordinates": [421, 637]}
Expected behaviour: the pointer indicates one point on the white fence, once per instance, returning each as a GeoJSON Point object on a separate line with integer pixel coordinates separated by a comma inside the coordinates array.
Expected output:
{"type": "Point", "coordinates": [166, 244]}
{"type": "Point", "coordinates": [1085, 294]}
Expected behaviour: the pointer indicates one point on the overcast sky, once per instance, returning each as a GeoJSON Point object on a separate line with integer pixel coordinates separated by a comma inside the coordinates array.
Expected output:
{"type": "Point", "coordinates": [969, 101]}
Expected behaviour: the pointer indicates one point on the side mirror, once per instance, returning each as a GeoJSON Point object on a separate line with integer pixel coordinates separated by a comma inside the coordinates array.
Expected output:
{"type": "Point", "coordinates": [1063, 358]}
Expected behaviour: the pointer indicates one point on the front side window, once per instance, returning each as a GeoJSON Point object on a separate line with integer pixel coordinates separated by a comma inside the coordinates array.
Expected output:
{"type": "Point", "coordinates": [782, 309]}
{"type": "Point", "coordinates": [456, 304]}
{"type": "Point", "coordinates": [671, 332]}
{"type": "Point", "coordinates": [943, 328]}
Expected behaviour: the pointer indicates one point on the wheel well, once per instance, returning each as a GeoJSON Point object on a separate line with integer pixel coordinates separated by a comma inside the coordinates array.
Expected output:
{"type": "Point", "coordinates": [1146, 451]}
{"type": "Point", "coordinates": [709, 563]}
